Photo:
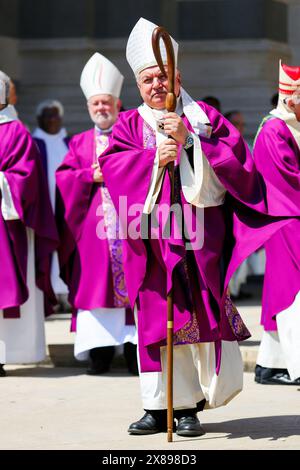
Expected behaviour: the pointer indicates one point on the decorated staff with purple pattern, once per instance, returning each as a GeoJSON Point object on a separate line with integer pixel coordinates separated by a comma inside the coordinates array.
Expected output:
{"type": "Point", "coordinates": [90, 252]}
{"type": "Point", "coordinates": [219, 219]}
{"type": "Point", "coordinates": [277, 156]}
{"type": "Point", "coordinates": [28, 237]}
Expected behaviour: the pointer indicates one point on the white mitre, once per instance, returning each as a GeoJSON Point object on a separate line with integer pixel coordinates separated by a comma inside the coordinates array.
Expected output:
{"type": "Point", "coordinates": [4, 77]}
{"type": "Point", "coordinates": [139, 53]}
{"type": "Point", "coordinates": [289, 79]}
{"type": "Point", "coordinates": [101, 77]}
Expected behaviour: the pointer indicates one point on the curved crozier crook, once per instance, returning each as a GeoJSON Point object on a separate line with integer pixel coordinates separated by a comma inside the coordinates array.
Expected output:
{"type": "Point", "coordinates": [160, 32]}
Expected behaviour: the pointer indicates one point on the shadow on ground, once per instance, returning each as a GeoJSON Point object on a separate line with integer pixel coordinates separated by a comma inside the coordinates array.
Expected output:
{"type": "Point", "coordinates": [265, 427]}
{"type": "Point", "coordinates": [59, 372]}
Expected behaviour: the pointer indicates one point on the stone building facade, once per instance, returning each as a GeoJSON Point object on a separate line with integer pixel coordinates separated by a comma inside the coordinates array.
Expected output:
{"type": "Point", "coordinates": [228, 48]}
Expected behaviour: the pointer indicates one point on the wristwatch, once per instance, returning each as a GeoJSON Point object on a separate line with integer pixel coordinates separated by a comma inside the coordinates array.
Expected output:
{"type": "Point", "coordinates": [189, 141]}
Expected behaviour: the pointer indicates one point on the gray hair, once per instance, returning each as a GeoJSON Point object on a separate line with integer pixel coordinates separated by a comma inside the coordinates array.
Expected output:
{"type": "Point", "coordinates": [295, 98]}
{"type": "Point", "coordinates": [6, 80]}
{"type": "Point", "coordinates": [49, 104]}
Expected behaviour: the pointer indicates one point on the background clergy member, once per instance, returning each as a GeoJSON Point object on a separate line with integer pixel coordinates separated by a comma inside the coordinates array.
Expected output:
{"type": "Point", "coordinates": [277, 156]}
{"type": "Point", "coordinates": [91, 265]}
{"type": "Point", "coordinates": [28, 238]}
{"type": "Point", "coordinates": [53, 141]}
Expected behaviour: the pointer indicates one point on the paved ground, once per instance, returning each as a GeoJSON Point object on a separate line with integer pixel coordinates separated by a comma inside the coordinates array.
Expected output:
{"type": "Point", "coordinates": [62, 408]}
{"type": "Point", "coordinates": [48, 407]}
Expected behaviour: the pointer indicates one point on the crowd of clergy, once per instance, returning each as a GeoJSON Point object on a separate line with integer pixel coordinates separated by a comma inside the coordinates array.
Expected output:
{"type": "Point", "coordinates": [68, 243]}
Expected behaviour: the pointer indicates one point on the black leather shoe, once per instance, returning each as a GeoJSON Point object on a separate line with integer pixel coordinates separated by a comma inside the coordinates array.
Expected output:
{"type": "Point", "coordinates": [263, 374]}
{"type": "Point", "coordinates": [2, 371]}
{"type": "Point", "coordinates": [151, 423]}
{"type": "Point", "coordinates": [282, 378]}
{"type": "Point", "coordinates": [189, 426]}
{"type": "Point", "coordinates": [269, 376]}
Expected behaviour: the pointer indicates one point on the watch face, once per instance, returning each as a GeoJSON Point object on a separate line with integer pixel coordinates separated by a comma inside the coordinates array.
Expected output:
{"type": "Point", "coordinates": [189, 141]}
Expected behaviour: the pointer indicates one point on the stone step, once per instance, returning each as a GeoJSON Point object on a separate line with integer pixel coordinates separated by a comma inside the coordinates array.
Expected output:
{"type": "Point", "coordinates": [60, 341]}
{"type": "Point", "coordinates": [62, 355]}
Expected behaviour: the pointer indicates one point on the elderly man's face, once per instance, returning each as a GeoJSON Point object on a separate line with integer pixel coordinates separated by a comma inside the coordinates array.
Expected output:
{"type": "Point", "coordinates": [104, 110]}
{"type": "Point", "coordinates": [50, 120]}
{"type": "Point", "coordinates": [153, 86]}
{"type": "Point", "coordinates": [295, 107]}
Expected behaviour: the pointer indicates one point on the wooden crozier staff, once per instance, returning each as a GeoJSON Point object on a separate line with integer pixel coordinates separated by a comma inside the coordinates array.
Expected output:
{"type": "Point", "coordinates": [158, 33]}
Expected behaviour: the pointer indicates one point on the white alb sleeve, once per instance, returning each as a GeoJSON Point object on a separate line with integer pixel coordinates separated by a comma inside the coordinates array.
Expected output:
{"type": "Point", "coordinates": [7, 204]}
{"type": "Point", "coordinates": [200, 185]}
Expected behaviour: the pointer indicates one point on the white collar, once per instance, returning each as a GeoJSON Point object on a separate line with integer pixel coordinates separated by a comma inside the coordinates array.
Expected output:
{"type": "Point", "coordinates": [104, 131]}
{"type": "Point", "coordinates": [185, 104]}
{"type": "Point", "coordinates": [8, 114]}
{"type": "Point", "coordinates": [41, 134]}
{"type": "Point", "coordinates": [284, 113]}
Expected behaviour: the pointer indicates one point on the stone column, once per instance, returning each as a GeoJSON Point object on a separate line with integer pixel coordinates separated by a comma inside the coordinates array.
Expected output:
{"type": "Point", "coordinates": [9, 62]}
{"type": "Point", "coordinates": [294, 30]}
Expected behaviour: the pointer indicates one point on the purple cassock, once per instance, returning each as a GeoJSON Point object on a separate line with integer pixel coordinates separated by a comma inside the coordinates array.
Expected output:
{"type": "Point", "coordinates": [21, 165]}
{"type": "Point", "coordinates": [91, 265]}
{"type": "Point", "coordinates": [232, 231]}
{"type": "Point", "coordinates": [277, 157]}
